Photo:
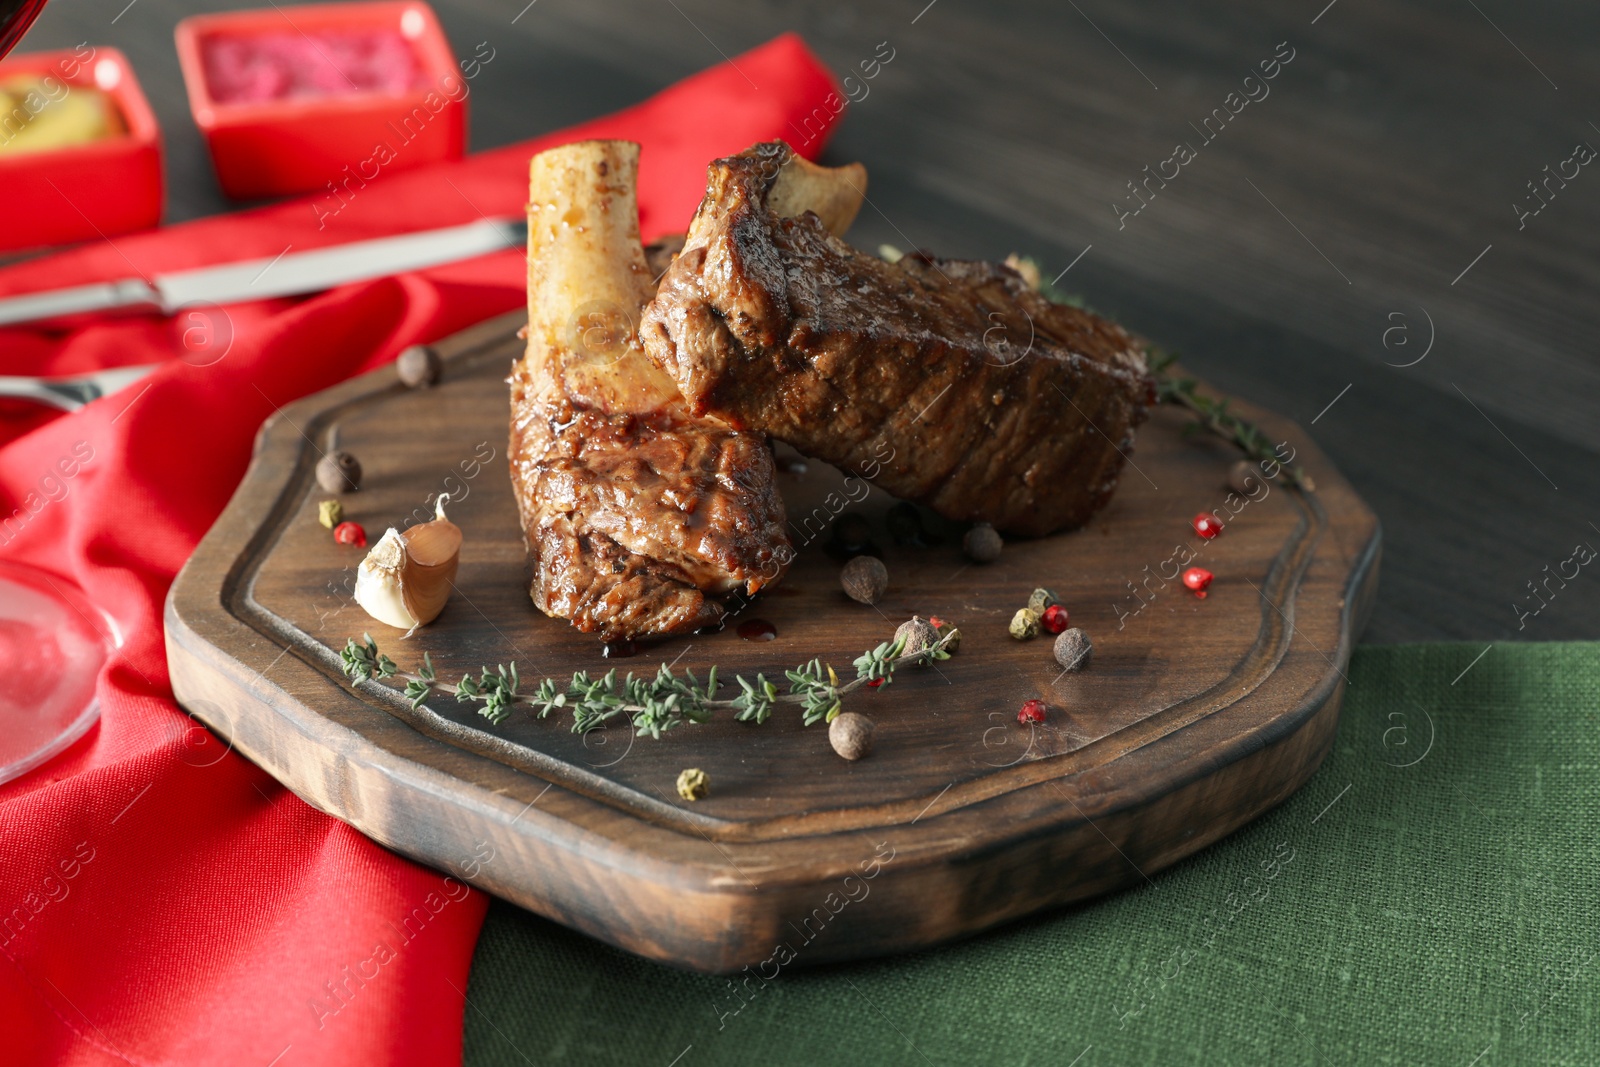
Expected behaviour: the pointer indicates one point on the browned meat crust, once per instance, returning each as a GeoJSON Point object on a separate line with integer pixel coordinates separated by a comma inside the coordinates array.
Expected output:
{"type": "Point", "coordinates": [693, 500]}
{"type": "Point", "coordinates": [992, 403]}
{"type": "Point", "coordinates": [640, 517]}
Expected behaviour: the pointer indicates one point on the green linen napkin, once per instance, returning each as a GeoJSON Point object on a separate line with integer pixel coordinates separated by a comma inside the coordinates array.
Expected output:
{"type": "Point", "coordinates": [1430, 897]}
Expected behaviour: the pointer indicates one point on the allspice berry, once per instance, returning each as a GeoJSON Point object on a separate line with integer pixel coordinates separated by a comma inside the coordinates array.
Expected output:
{"type": "Point", "coordinates": [693, 784]}
{"type": "Point", "coordinates": [1073, 649]}
{"type": "Point", "coordinates": [864, 579]}
{"type": "Point", "coordinates": [1025, 624]}
{"type": "Point", "coordinates": [1243, 476]}
{"type": "Point", "coordinates": [851, 735]}
{"type": "Point", "coordinates": [1040, 599]}
{"type": "Point", "coordinates": [918, 634]}
{"type": "Point", "coordinates": [419, 367]}
{"type": "Point", "coordinates": [339, 472]}
{"type": "Point", "coordinates": [982, 544]}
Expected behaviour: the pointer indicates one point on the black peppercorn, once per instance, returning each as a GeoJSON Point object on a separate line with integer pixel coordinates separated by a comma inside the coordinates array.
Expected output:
{"type": "Point", "coordinates": [982, 544]}
{"type": "Point", "coordinates": [339, 472]}
{"type": "Point", "coordinates": [905, 525]}
{"type": "Point", "coordinates": [1243, 476]}
{"type": "Point", "coordinates": [419, 367]}
{"type": "Point", "coordinates": [1073, 649]}
{"type": "Point", "coordinates": [852, 532]}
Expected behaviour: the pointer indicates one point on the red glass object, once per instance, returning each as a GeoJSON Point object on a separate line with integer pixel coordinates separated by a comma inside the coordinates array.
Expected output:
{"type": "Point", "coordinates": [350, 533]}
{"type": "Point", "coordinates": [1197, 579]}
{"type": "Point", "coordinates": [15, 18]}
{"type": "Point", "coordinates": [1055, 619]}
{"type": "Point", "coordinates": [1207, 525]}
{"type": "Point", "coordinates": [1031, 711]}
{"type": "Point", "coordinates": [80, 192]}
{"type": "Point", "coordinates": [335, 143]}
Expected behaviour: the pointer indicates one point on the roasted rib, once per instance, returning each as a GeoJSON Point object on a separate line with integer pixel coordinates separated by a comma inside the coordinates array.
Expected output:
{"type": "Point", "coordinates": [946, 382]}
{"type": "Point", "coordinates": [640, 517]}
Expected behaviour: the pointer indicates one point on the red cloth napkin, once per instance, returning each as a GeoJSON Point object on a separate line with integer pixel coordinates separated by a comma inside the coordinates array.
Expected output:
{"type": "Point", "coordinates": [162, 901]}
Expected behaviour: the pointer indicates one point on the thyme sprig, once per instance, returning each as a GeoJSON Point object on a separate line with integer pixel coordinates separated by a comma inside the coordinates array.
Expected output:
{"type": "Point", "coordinates": [653, 705]}
{"type": "Point", "coordinates": [1213, 415]}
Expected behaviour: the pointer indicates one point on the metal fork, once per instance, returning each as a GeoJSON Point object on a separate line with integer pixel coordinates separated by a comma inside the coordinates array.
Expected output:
{"type": "Point", "coordinates": [70, 394]}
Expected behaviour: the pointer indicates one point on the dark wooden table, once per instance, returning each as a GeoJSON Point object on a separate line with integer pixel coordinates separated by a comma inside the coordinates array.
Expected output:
{"type": "Point", "coordinates": [1366, 200]}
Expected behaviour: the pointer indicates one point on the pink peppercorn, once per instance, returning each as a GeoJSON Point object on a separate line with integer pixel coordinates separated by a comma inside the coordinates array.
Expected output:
{"type": "Point", "coordinates": [350, 533]}
{"type": "Point", "coordinates": [1197, 579]}
{"type": "Point", "coordinates": [1031, 711]}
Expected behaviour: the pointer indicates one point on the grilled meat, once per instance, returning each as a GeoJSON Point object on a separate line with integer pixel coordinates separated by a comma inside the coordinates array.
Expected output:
{"type": "Point", "coordinates": [946, 382]}
{"type": "Point", "coordinates": [640, 517]}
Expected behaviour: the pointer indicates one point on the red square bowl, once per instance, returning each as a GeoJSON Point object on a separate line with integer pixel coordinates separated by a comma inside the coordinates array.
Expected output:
{"type": "Point", "coordinates": [99, 189]}
{"type": "Point", "coordinates": [334, 142]}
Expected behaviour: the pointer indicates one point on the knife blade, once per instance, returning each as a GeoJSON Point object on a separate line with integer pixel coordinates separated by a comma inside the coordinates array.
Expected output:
{"type": "Point", "coordinates": [288, 274]}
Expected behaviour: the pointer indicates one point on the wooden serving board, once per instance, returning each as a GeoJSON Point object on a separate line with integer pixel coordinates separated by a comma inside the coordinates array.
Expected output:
{"type": "Point", "coordinates": [1194, 717]}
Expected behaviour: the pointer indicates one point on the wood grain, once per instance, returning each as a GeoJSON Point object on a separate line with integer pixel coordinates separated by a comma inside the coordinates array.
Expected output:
{"type": "Point", "coordinates": [1195, 716]}
{"type": "Point", "coordinates": [1396, 141]}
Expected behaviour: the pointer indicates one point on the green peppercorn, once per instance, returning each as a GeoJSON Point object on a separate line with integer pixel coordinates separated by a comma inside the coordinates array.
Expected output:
{"type": "Point", "coordinates": [1025, 624]}
{"type": "Point", "coordinates": [1040, 599]}
{"type": "Point", "coordinates": [693, 784]}
{"type": "Point", "coordinates": [951, 638]}
{"type": "Point", "coordinates": [330, 513]}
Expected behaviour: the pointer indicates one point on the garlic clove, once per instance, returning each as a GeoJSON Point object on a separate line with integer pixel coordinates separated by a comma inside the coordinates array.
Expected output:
{"type": "Point", "coordinates": [380, 583]}
{"type": "Point", "coordinates": [407, 577]}
{"type": "Point", "coordinates": [433, 552]}
{"type": "Point", "coordinates": [433, 544]}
